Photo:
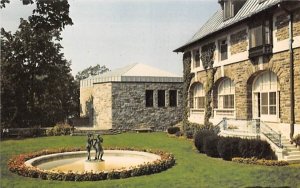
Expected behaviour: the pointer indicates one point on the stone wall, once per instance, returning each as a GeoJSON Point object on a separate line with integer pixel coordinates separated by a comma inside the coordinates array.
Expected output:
{"type": "Point", "coordinates": [243, 74]}
{"type": "Point", "coordinates": [282, 23]}
{"type": "Point", "coordinates": [238, 42]}
{"type": "Point", "coordinates": [296, 23]}
{"type": "Point", "coordinates": [129, 110]}
{"type": "Point", "coordinates": [85, 99]}
{"type": "Point", "coordinates": [102, 105]}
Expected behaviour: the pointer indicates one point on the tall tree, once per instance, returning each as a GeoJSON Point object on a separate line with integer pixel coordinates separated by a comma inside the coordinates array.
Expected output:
{"type": "Point", "coordinates": [37, 87]}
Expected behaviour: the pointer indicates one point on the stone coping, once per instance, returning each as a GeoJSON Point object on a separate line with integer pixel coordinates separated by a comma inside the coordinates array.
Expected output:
{"type": "Point", "coordinates": [66, 155]}
{"type": "Point", "coordinates": [17, 165]}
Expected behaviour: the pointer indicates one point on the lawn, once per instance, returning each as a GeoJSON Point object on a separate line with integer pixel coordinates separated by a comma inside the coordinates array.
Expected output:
{"type": "Point", "coordinates": [191, 170]}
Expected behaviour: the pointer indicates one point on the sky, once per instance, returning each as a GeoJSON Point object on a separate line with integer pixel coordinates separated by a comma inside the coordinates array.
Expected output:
{"type": "Point", "coordinates": [116, 33]}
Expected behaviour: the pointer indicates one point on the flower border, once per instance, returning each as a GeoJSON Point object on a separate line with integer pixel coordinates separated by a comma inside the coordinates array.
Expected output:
{"type": "Point", "coordinates": [17, 165]}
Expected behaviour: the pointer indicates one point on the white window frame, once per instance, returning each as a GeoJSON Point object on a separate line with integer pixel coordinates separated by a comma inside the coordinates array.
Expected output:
{"type": "Point", "coordinates": [266, 82]}
{"type": "Point", "coordinates": [222, 92]}
{"type": "Point", "coordinates": [198, 92]}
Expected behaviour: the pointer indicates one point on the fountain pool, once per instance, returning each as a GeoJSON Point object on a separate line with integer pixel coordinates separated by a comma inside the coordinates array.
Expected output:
{"type": "Point", "coordinates": [77, 162]}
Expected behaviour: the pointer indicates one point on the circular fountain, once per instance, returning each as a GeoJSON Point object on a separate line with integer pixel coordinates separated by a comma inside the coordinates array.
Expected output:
{"type": "Point", "coordinates": [71, 164]}
{"type": "Point", "coordinates": [77, 162]}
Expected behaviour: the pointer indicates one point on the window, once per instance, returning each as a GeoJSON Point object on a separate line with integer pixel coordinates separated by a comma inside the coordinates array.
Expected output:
{"type": "Point", "coordinates": [226, 94]}
{"type": "Point", "coordinates": [149, 98]}
{"type": "Point", "coordinates": [228, 9]}
{"type": "Point", "coordinates": [268, 103]}
{"type": "Point", "coordinates": [223, 49]}
{"type": "Point", "coordinates": [260, 34]}
{"type": "Point", "coordinates": [232, 7]}
{"type": "Point", "coordinates": [196, 58]}
{"type": "Point", "coordinates": [173, 98]}
{"type": "Point", "coordinates": [266, 96]}
{"type": "Point", "coordinates": [199, 96]}
{"type": "Point", "coordinates": [161, 98]}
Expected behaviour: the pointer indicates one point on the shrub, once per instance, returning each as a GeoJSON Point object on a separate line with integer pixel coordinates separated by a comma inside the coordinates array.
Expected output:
{"type": "Point", "coordinates": [297, 140]}
{"type": "Point", "coordinates": [256, 161]}
{"type": "Point", "coordinates": [210, 144]}
{"type": "Point", "coordinates": [195, 127]}
{"type": "Point", "coordinates": [59, 129]}
{"type": "Point", "coordinates": [228, 147]}
{"type": "Point", "coordinates": [179, 133]}
{"type": "Point", "coordinates": [173, 130]}
{"type": "Point", "coordinates": [199, 139]}
{"type": "Point", "coordinates": [255, 148]}
{"type": "Point", "coordinates": [189, 134]}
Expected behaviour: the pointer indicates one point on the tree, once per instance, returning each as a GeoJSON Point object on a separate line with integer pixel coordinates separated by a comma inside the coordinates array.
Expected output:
{"type": "Point", "coordinates": [37, 87]}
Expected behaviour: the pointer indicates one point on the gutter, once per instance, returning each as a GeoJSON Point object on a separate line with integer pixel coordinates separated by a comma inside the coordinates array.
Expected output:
{"type": "Point", "coordinates": [292, 96]}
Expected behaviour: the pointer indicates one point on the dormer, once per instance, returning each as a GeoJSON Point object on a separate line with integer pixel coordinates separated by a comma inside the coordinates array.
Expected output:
{"type": "Point", "coordinates": [231, 7]}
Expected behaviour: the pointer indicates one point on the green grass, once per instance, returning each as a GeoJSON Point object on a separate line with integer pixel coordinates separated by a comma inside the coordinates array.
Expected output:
{"type": "Point", "coordinates": [191, 170]}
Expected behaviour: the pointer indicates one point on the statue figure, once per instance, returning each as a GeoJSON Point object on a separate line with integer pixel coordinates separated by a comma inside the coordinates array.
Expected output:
{"type": "Point", "coordinates": [89, 145]}
{"type": "Point", "coordinates": [98, 147]}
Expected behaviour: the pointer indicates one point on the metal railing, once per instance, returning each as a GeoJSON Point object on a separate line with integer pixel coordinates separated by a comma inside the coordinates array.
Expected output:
{"type": "Point", "coordinates": [272, 135]}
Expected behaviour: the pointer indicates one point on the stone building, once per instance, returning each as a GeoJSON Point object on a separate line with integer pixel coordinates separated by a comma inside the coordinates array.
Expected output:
{"type": "Point", "coordinates": [132, 97]}
{"type": "Point", "coordinates": [257, 68]}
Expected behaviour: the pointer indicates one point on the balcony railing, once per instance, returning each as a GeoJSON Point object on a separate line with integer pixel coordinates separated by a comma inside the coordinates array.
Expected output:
{"type": "Point", "coordinates": [224, 112]}
{"type": "Point", "coordinates": [195, 110]}
{"type": "Point", "coordinates": [260, 50]}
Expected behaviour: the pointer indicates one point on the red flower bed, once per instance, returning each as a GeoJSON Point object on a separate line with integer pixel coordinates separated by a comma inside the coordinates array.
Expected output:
{"type": "Point", "coordinates": [17, 165]}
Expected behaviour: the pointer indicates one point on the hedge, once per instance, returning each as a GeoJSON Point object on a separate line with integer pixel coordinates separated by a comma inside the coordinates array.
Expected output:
{"type": "Point", "coordinates": [199, 139]}
{"type": "Point", "coordinates": [256, 161]}
{"type": "Point", "coordinates": [173, 130]}
{"type": "Point", "coordinates": [16, 165]}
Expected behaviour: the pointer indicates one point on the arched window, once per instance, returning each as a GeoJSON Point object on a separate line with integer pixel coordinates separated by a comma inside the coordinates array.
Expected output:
{"type": "Point", "coordinates": [226, 94]}
{"type": "Point", "coordinates": [199, 96]}
{"type": "Point", "coordinates": [265, 93]}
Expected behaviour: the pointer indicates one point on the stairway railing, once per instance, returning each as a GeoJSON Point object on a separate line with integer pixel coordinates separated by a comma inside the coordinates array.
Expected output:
{"type": "Point", "coordinates": [271, 134]}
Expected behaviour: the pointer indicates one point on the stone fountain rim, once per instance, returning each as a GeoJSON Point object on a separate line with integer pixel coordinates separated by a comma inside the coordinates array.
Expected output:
{"type": "Point", "coordinates": [33, 162]}
{"type": "Point", "coordinates": [17, 165]}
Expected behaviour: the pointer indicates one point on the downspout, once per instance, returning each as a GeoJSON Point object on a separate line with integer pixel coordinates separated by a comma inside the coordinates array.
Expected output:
{"type": "Point", "coordinates": [292, 96]}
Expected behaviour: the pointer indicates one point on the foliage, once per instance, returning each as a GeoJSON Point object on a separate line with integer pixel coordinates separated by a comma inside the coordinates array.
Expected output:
{"type": "Point", "coordinates": [255, 161]}
{"type": "Point", "coordinates": [173, 130]}
{"type": "Point", "coordinates": [189, 134]}
{"type": "Point", "coordinates": [193, 128]}
{"type": "Point", "coordinates": [59, 130]}
{"type": "Point", "coordinates": [297, 140]}
{"type": "Point", "coordinates": [37, 87]}
{"type": "Point", "coordinates": [17, 166]}
{"type": "Point", "coordinates": [207, 57]}
{"type": "Point", "coordinates": [210, 144]}
{"type": "Point", "coordinates": [91, 71]}
{"type": "Point", "coordinates": [187, 77]}
{"type": "Point", "coordinates": [199, 138]}
{"type": "Point", "coordinates": [255, 148]}
{"type": "Point", "coordinates": [179, 133]}
{"type": "Point", "coordinates": [228, 147]}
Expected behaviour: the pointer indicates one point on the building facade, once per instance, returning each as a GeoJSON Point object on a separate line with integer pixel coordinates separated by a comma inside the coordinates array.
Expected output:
{"type": "Point", "coordinates": [132, 97]}
{"type": "Point", "coordinates": [257, 68]}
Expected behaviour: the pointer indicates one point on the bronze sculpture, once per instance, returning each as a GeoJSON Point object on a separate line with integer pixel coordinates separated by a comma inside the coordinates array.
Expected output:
{"type": "Point", "coordinates": [96, 144]}
{"type": "Point", "coordinates": [89, 144]}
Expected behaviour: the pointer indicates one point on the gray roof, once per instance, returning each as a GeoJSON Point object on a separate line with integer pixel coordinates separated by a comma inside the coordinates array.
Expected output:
{"type": "Point", "coordinates": [132, 73]}
{"type": "Point", "coordinates": [216, 22]}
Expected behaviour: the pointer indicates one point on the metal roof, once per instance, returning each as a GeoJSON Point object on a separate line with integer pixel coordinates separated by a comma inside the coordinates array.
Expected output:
{"type": "Point", "coordinates": [216, 22]}
{"type": "Point", "coordinates": [132, 73]}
